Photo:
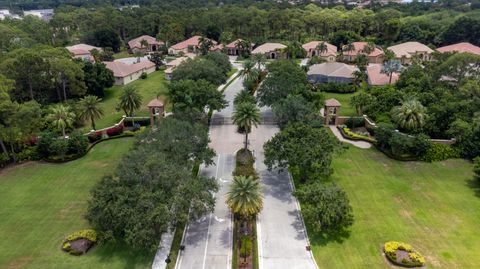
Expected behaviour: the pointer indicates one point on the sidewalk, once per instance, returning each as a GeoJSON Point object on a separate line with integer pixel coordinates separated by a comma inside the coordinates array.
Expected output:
{"type": "Point", "coordinates": [358, 144]}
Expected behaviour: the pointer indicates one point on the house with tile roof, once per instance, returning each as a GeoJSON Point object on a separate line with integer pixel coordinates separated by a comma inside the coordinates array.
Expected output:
{"type": "Point", "coordinates": [332, 72]}
{"type": "Point", "coordinates": [375, 76]}
{"type": "Point", "coordinates": [376, 56]}
{"type": "Point", "coordinates": [190, 46]}
{"type": "Point", "coordinates": [172, 65]}
{"type": "Point", "coordinates": [313, 49]}
{"type": "Point", "coordinates": [152, 44]}
{"type": "Point", "coordinates": [125, 73]}
{"type": "Point", "coordinates": [464, 47]}
{"type": "Point", "coordinates": [404, 52]}
{"type": "Point", "coordinates": [82, 51]}
{"type": "Point", "coordinates": [271, 50]}
{"type": "Point", "coordinates": [232, 47]}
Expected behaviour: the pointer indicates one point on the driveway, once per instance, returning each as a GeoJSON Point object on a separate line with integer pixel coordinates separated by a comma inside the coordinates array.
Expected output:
{"type": "Point", "coordinates": [282, 238]}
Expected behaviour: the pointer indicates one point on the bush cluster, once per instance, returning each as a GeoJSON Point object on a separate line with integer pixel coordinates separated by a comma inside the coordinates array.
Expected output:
{"type": "Point", "coordinates": [440, 152]}
{"type": "Point", "coordinates": [244, 164]}
{"type": "Point", "coordinates": [246, 246]}
{"type": "Point", "coordinates": [415, 258]}
{"type": "Point", "coordinates": [355, 122]}
{"type": "Point", "coordinates": [399, 145]}
{"type": "Point", "coordinates": [87, 234]}
{"type": "Point", "coordinates": [354, 136]}
{"type": "Point", "coordinates": [336, 87]}
{"type": "Point", "coordinates": [51, 147]}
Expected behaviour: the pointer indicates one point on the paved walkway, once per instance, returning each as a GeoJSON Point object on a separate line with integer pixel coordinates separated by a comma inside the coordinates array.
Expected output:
{"type": "Point", "coordinates": [163, 251]}
{"type": "Point", "coordinates": [281, 233]}
{"type": "Point", "coordinates": [358, 144]}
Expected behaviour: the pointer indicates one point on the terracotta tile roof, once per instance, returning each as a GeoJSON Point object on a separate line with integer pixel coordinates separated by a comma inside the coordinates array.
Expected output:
{"type": "Point", "coordinates": [460, 47]}
{"type": "Point", "coordinates": [331, 49]}
{"type": "Point", "coordinates": [408, 49]}
{"type": "Point", "coordinates": [155, 103]}
{"type": "Point", "coordinates": [135, 43]}
{"type": "Point", "coordinates": [176, 62]}
{"type": "Point", "coordinates": [233, 44]}
{"type": "Point", "coordinates": [268, 47]}
{"type": "Point", "coordinates": [81, 47]}
{"type": "Point", "coordinates": [333, 69]}
{"type": "Point", "coordinates": [377, 78]}
{"type": "Point", "coordinates": [192, 41]}
{"type": "Point", "coordinates": [332, 102]}
{"type": "Point", "coordinates": [120, 69]}
{"type": "Point", "coordinates": [358, 49]}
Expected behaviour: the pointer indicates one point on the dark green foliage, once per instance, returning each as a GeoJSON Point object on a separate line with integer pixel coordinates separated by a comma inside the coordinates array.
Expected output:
{"type": "Point", "coordinates": [439, 152]}
{"type": "Point", "coordinates": [44, 143]}
{"type": "Point", "coordinates": [399, 144]}
{"type": "Point", "coordinates": [97, 78]}
{"type": "Point", "coordinates": [244, 96]}
{"type": "Point", "coordinates": [355, 122]}
{"type": "Point", "coordinates": [195, 95]}
{"type": "Point", "coordinates": [325, 206]}
{"type": "Point", "coordinates": [294, 108]}
{"type": "Point", "coordinates": [244, 164]}
{"type": "Point", "coordinates": [464, 29]}
{"type": "Point", "coordinates": [342, 38]}
{"type": "Point", "coordinates": [147, 194]}
{"type": "Point", "coordinates": [300, 146]}
{"type": "Point", "coordinates": [157, 58]}
{"type": "Point", "coordinates": [59, 147]}
{"type": "Point", "coordinates": [104, 38]}
{"type": "Point", "coordinates": [476, 168]}
{"type": "Point", "coordinates": [221, 60]}
{"type": "Point", "coordinates": [77, 143]}
{"type": "Point", "coordinates": [198, 69]}
{"type": "Point", "coordinates": [336, 87]}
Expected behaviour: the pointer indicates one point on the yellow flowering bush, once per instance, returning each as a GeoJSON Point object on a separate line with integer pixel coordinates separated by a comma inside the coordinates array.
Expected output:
{"type": "Point", "coordinates": [89, 234]}
{"type": "Point", "coordinates": [350, 134]}
{"type": "Point", "coordinates": [415, 258]}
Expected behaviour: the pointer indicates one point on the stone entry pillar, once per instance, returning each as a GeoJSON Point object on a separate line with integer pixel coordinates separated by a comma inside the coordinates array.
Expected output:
{"type": "Point", "coordinates": [156, 108]}
{"type": "Point", "coordinates": [332, 111]}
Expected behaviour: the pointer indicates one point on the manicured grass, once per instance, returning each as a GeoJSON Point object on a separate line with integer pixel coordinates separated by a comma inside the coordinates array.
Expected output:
{"type": "Point", "coordinates": [42, 203]}
{"type": "Point", "coordinates": [233, 71]}
{"type": "Point", "coordinates": [344, 99]}
{"type": "Point", "coordinates": [149, 88]}
{"type": "Point", "coordinates": [433, 206]}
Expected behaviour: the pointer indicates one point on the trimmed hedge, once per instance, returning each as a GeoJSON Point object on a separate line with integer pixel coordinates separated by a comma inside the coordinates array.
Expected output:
{"type": "Point", "coordinates": [244, 164]}
{"type": "Point", "coordinates": [439, 152]}
{"type": "Point", "coordinates": [87, 234]}
{"type": "Point", "coordinates": [415, 259]}
{"type": "Point", "coordinates": [348, 134]}
{"type": "Point", "coordinates": [336, 87]}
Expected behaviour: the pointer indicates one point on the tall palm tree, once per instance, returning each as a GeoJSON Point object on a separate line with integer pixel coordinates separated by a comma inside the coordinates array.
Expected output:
{"type": "Point", "coordinates": [129, 101]}
{"type": "Point", "coordinates": [368, 48]}
{"type": "Point", "coordinates": [349, 47]}
{"type": "Point", "coordinates": [245, 116]}
{"type": "Point", "coordinates": [244, 96]}
{"type": "Point", "coordinates": [410, 115]}
{"type": "Point", "coordinates": [390, 67]}
{"type": "Point", "coordinates": [322, 47]}
{"type": "Point", "coordinates": [143, 43]}
{"type": "Point", "coordinates": [204, 45]}
{"type": "Point", "coordinates": [61, 117]}
{"type": "Point", "coordinates": [245, 197]}
{"type": "Point", "coordinates": [90, 109]}
{"type": "Point", "coordinates": [259, 59]}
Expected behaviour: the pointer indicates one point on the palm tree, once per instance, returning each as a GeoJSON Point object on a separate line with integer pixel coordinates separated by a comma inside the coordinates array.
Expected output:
{"type": "Point", "coordinates": [248, 69]}
{"type": "Point", "coordinates": [390, 67]}
{"type": "Point", "coordinates": [259, 59]}
{"type": "Point", "coordinates": [410, 115]}
{"type": "Point", "coordinates": [368, 48]}
{"type": "Point", "coordinates": [143, 43]}
{"type": "Point", "coordinates": [245, 116]}
{"type": "Point", "coordinates": [61, 117]}
{"type": "Point", "coordinates": [244, 96]}
{"type": "Point", "coordinates": [204, 45]}
{"type": "Point", "coordinates": [322, 47]}
{"type": "Point", "coordinates": [90, 109]}
{"type": "Point", "coordinates": [129, 101]}
{"type": "Point", "coordinates": [245, 197]}
{"type": "Point", "coordinates": [349, 47]}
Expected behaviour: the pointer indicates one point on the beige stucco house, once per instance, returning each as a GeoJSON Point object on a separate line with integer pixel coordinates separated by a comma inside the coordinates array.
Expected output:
{"type": "Point", "coordinates": [313, 49]}
{"type": "Point", "coordinates": [125, 73]}
{"type": "Point", "coordinates": [374, 57]}
{"type": "Point", "coordinates": [405, 51]}
{"type": "Point", "coordinates": [152, 45]}
{"type": "Point", "coordinates": [271, 50]}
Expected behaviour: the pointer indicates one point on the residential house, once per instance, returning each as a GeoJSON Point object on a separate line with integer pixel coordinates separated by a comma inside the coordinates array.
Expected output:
{"type": "Point", "coordinates": [82, 51]}
{"type": "Point", "coordinates": [350, 55]}
{"type": "Point", "coordinates": [332, 72]}
{"type": "Point", "coordinates": [125, 73]}
{"type": "Point", "coordinates": [172, 65]}
{"type": "Point", "coordinates": [405, 51]}
{"type": "Point", "coordinates": [190, 45]}
{"type": "Point", "coordinates": [44, 14]}
{"type": "Point", "coordinates": [152, 44]}
{"type": "Point", "coordinates": [460, 47]}
{"type": "Point", "coordinates": [377, 78]}
{"type": "Point", "coordinates": [313, 49]}
{"type": "Point", "coordinates": [233, 50]}
{"type": "Point", "coordinates": [271, 50]}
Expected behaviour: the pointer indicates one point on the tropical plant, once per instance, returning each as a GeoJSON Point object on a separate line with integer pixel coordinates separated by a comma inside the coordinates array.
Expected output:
{"type": "Point", "coordinates": [245, 116]}
{"type": "Point", "coordinates": [245, 196]}
{"type": "Point", "coordinates": [204, 45]}
{"type": "Point", "coordinates": [322, 47]}
{"type": "Point", "coordinates": [410, 115]}
{"type": "Point", "coordinates": [143, 43]}
{"type": "Point", "coordinates": [61, 117]}
{"type": "Point", "coordinates": [259, 59]}
{"type": "Point", "coordinates": [129, 101]}
{"type": "Point", "coordinates": [244, 48]}
{"type": "Point", "coordinates": [361, 101]}
{"type": "Point", "coordinates": [368, 48]}
{"type": "Point", "coordinates": [244, 96]}
{"type": "Point", "coordinates": [390, 67]}
{"type": "Point", "coordinates": [89, 107]}
{"type": "Point", "coordinates": [349, 47]}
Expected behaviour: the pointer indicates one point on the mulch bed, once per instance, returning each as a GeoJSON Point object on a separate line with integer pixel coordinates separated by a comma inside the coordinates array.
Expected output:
{"type": "Point", "coordinates": [80, 246]}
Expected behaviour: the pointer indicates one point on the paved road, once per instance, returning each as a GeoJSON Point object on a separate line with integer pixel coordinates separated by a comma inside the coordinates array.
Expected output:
{"type": "Point", "coordinates": [281, 232]}
{"type": "Point", "coordinates": [208, 242]}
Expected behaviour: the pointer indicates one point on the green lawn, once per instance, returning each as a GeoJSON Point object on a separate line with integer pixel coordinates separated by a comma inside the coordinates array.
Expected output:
{"type": "Point", "coordinates": [148, 88]}
{"type": "Point", "coordinates": [344, 99]}
{"type": "Point", "coordinates": [42, 203]}
{"type": "Point", "coordinates": [433, 206]}
{"type": "Point", "coordinates": [122, 54]}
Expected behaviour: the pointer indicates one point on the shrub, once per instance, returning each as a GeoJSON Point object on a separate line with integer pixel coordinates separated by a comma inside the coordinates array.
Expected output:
{"type": "Point", "coordinates": [476, 168]}
{"type": "Point", "coordinates": [354, 136]}
{"type": "Point", "coordinates": [355, 122]}
{"type": "Point", "coordinates": [439, 152]}
{"type": "Point", "coordinates": [244, 164]}
{"type": "Point", "coordinates": [45, 141]}
{"type": "Point", "coordinates": [77, 143]}
{"type": "Point", "coordinates": [92, 137]}
{"type": "Point", "coordinates": [28, 154]}
{"type": "Point", "coordinates": [246, 246]}
{"type": "Point", "coordinates": [88, 234]}
{"type": "Point", "coordinates": [414, 258]}
{"type": "Point", "coordinates": [60, 147]}
{"type": "Point", "coordinates": [143, 75]}
{"type": "Point", "coordinates": [336, 87]}
{"type": "Point", "coordinates": [4, 159]}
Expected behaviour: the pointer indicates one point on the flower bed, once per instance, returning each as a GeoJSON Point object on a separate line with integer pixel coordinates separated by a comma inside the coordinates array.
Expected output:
{"type": "Point", "coordinates": [349, 134]}
{"type": "Point", "coordinates": [79, 242]}
{"type": "Point", "coordinates": [403, 254]}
